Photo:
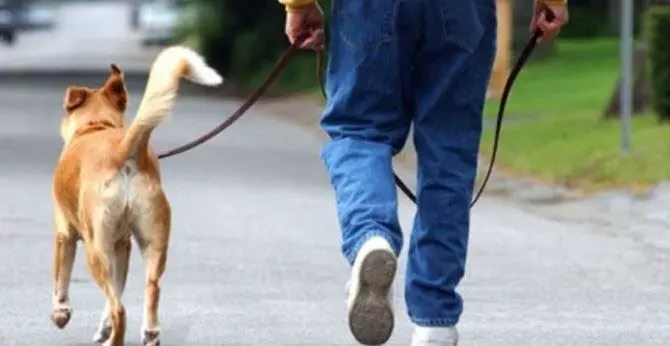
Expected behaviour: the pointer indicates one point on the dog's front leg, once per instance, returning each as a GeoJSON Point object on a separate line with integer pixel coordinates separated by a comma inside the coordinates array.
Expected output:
{"type": "Point", "coordinates": [65, 249]}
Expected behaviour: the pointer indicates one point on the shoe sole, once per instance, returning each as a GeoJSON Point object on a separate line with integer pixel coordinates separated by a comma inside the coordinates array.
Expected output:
{"type": "Point", "coordinates": [371, 319]}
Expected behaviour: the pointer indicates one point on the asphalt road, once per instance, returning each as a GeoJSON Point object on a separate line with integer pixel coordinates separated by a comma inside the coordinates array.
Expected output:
{"type": "Point", "coordinates": [255, 254]}
{"type": "Point", "coordinates": [255, 258]}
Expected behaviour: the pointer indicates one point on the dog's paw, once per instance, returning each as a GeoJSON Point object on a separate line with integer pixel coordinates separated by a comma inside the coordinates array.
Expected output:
{"type": "Point", "coordinates": [102, 334]}
{"type": "Point", "coordinates": [61, 316]}
{"type": "Point", "coordinates": [151, 337]}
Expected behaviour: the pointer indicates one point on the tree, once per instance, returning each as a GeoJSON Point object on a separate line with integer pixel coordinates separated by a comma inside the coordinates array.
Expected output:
{"type": "Point", "coordinates": [244, 39]}
{"type": "Point", "coordinates": [658, 30]}
{"type": "Point", "coordinates": [641, 88]}
{"type": "Point", "coordinates": [642, 94]}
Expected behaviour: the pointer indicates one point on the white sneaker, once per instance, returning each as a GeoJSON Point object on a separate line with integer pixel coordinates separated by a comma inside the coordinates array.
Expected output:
{"type": "Point", "coordinates": [435, 336]}
{"type": "Point", "coordinates": [371, 319]}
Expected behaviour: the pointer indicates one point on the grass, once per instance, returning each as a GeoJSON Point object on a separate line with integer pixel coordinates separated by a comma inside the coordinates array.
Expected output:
{"type": "Point", "coordinates": [555, 131]}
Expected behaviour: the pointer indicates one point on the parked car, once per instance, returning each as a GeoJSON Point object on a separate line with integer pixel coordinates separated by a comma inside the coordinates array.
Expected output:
{"type": "Point", "coordinates": [134, 13]}
{"type": "Point", "coordinates": [24, 15]}
{"type": "Point", "coordinates": [36, 16]}
{"type": "Point", "coordinates": [8, 22]}
{"type": "Point", "coordinates": [158, 20]}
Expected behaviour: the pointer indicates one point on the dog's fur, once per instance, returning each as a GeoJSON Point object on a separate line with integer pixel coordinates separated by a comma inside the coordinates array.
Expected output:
{"type": "Point", "coordinates": [107, 188]}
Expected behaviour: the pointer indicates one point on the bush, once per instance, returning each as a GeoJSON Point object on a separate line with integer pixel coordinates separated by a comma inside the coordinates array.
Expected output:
{"type": "Point", "coordinates": [586, 22]}
{"type": "Point", "coordinates": [244, 39]}
{"type": "Point", "coordinates": [658, 26]}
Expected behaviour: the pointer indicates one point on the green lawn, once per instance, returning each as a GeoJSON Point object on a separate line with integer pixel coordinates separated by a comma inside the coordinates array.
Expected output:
{"type": "Point", "coordinates": [555, 131]}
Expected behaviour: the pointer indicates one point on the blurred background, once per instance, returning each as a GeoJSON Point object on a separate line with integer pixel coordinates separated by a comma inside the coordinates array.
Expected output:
{"type": "Point", "coordinates": [573, 236]}
{"type": "Point", "coordinates": [571, 84]}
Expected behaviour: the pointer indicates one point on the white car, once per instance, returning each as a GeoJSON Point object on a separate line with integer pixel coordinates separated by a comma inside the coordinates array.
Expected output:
{"type": "Point", "coordinates": [158, 20]}
{"type": "Point", "coordinates": [8, 23]}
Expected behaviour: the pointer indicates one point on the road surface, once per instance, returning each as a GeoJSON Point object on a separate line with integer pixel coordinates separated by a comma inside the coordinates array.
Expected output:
{"type": "Point", "coordinates": [88, 36]}
{"type": "Point", "coordinates": [255, 259]}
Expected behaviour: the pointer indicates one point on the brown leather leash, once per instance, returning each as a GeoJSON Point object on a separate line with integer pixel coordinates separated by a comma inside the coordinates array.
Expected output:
{"type": "Point", "coordinates": [280, 65]}
{"type": "Point", "coordinates": [295, 46]}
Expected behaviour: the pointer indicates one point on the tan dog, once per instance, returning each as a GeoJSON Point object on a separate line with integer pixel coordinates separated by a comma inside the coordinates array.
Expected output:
{"type": "Point", "coordinates": [107, 188]}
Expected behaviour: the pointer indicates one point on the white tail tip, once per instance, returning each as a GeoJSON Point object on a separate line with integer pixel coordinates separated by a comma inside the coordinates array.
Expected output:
{"type": "Point", "coordinates": [200, 72]}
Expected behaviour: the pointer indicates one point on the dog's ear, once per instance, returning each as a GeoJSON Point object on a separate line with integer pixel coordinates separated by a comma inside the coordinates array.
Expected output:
{"type": "Point", "coordinates": [75, 96]}
{"type": "Point", "coordinates": [115, 88]}
{"type": "Point", "coordinates": [116, 70]}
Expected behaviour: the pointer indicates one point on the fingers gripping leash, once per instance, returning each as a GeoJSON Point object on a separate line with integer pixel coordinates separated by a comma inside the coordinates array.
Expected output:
{"type": "Point", "coordinates": [295, 46]}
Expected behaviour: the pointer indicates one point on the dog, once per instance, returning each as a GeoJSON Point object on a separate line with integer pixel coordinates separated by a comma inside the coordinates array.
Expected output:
{"type": "Point", "coordinates": [107, 189]}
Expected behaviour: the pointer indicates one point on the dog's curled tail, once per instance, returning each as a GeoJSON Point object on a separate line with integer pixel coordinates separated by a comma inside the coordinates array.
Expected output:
{"type": "Point", "coordinates": [172, 64]}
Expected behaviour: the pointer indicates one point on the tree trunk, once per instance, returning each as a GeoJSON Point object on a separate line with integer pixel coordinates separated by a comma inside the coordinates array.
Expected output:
{"type": "Point", "coordinates": [641, 87]}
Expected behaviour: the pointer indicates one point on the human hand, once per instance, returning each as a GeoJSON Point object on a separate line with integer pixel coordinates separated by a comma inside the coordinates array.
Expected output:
{"type": "Point", "coordinates": [549, 16]}
{"type": "Point", "coordinates": [306, 20]}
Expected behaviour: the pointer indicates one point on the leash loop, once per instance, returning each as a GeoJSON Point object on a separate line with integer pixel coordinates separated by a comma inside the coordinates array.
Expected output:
{"type": "Point", "coordinates": [507, 89]}
{"type": "Point", "coordinates": [516, 69]}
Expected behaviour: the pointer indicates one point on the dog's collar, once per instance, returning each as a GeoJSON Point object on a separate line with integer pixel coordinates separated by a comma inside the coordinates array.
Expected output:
{"type": "Point", "coordinates": [93, 126]}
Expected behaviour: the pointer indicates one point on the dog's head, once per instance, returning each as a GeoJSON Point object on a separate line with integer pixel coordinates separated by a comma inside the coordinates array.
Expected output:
{"type": "Point", "coordinates": [90, 107]}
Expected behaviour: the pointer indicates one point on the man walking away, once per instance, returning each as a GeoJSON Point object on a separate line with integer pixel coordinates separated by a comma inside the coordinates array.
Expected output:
{"type": "Point", "coordinates": [393, 64]}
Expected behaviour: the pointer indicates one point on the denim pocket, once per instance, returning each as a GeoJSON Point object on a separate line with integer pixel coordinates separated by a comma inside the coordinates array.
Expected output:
{"type": "Point", "coordinates": [461, 23]}
{"type": "Point", "coordinates": [364, 24]}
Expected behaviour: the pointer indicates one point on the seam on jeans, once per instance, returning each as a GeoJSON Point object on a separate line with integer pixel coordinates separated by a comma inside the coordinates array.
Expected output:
{"type": "Point", "coordinates": [385, 32]}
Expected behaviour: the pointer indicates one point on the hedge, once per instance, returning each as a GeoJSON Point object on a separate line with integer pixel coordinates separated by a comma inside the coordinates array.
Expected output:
{"type": "Point", "coordinates": [658, 26]}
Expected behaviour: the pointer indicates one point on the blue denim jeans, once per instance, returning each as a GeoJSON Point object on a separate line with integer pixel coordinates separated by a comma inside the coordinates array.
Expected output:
{"type": "Point", "coordinates": [395, 65]}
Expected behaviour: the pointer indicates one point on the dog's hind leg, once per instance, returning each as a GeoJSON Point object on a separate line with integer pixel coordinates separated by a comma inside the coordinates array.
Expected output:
{"type": "Point", "coordinates": [120, 276]}
{"type": "Point", "coordinates": [152, 235]}
{"type": "Point", "coordinates": [65, 250]}
{"type": "Point", "coordinates": [101, 256]}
